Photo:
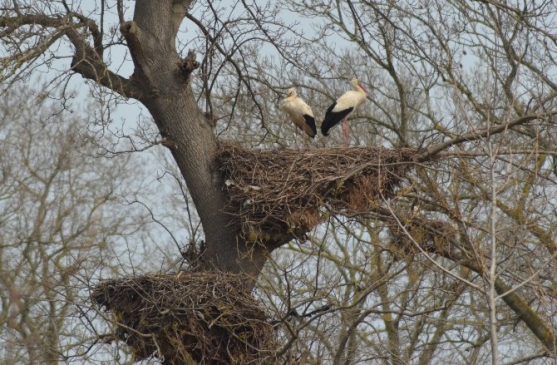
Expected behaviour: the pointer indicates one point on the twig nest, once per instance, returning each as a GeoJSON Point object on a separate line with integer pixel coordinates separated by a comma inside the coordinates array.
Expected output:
{"type": "Point", "coordinates": [191, 318]}
{"type": "Point", "coordinates": [292, 191]}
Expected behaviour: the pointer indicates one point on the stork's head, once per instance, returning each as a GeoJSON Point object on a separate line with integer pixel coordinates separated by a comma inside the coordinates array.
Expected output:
{"type": "Point", "coordinates": [291, 93]}
{"type": "Point", "coordinates": [357, 85]}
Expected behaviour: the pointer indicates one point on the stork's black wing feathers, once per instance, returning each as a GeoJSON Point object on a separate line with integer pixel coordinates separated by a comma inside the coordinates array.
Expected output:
{"type": "Point", "coordinates": [311, 129]}
{"type": "Point", "coordinates": [332, 119]}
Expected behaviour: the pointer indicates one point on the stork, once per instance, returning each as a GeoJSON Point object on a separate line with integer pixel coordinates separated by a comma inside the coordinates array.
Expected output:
{"type": "Point", "coordinates": [299, 112]}
{"type": "Point", "coordinates": [342, 108]}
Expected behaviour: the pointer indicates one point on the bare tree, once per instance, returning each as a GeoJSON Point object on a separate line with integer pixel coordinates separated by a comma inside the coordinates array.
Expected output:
{"type": "Point", "coordinates": [62, 227]}
{"type": "Point", "coordinates": [445, 270]}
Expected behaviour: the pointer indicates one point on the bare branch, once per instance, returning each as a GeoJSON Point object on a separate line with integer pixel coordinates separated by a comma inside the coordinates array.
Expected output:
{"type": "Point", "coordinates": [473, 136]}
{"type": "Point", "coordinates": [87, 61]}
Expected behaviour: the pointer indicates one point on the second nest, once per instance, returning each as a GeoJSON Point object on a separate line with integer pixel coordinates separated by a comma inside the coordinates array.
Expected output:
{"type": "Point", "coordinates": [286, 190]}
{"type": "Point", "coordinates": [190, 318]}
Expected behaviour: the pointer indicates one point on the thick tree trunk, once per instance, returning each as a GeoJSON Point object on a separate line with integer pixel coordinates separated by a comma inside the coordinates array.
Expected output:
{"type": "Point", "coordinates": [161, 81]}
{"type": "Point", "coordinates": [164, 81]}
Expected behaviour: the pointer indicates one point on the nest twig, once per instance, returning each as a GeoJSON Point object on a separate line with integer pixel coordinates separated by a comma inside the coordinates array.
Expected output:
{"type": "Point", "coordinates": [285, 190]}
{"type": "Point", "coordinates": [191, 318]}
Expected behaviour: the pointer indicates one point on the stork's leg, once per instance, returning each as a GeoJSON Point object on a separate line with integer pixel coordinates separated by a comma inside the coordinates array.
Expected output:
{"type": "Point", "coordinates": [345, 132]}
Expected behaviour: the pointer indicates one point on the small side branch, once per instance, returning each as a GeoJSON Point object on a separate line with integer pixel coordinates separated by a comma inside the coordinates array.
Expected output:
{"type": "Point", "coordinates": [187, 66]}
{"type": "Point", "coordinates": [131, 33]}
{"type": "Point", "coordinates": [141, 75]}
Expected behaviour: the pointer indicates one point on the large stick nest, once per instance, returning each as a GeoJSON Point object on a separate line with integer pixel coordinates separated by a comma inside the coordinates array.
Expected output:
{"type": "Point", "coordinates": [191, 318]}
{"type": "Point", "coordinates": [285, 190]}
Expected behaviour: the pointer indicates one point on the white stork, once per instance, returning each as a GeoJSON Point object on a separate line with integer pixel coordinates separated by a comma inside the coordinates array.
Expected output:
{"type": "Point", "coordinates": [299, 112]}
{"type": "Point", "coordinates": [342, 108]}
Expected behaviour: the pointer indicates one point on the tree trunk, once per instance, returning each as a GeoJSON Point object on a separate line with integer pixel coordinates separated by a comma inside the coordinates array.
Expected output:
{"type": "Point", "coordinates": [164, 83]}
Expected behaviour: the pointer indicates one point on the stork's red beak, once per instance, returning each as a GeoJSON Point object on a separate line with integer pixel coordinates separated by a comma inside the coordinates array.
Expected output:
{"type": "Point", "coordinates": [363, 88]}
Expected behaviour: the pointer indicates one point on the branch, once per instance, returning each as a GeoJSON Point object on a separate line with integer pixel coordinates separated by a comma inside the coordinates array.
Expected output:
{"type": "Point", "coordinates": [525, 313]}
{"type": "Point", "coordinates": [439, 238]}
{"type": "Point", "coordinates": [502, 6]}
{"type": "Point", "coordinates": [87, 60]}
{"type": "Point", "coordinates": [95, 32]}
{"type": "Point", "coordinates": [473, 136]}
{"type": "Point", "coordinates": [528, 359]}
{"type": "Point", "coordinates": [153, 31]}
{"type": "Point", "coordinates": [499, 153]}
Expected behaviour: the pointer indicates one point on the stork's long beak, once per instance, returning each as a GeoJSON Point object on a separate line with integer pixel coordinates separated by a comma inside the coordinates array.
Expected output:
{"type": "Point", "coordinates": [363, 88]}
